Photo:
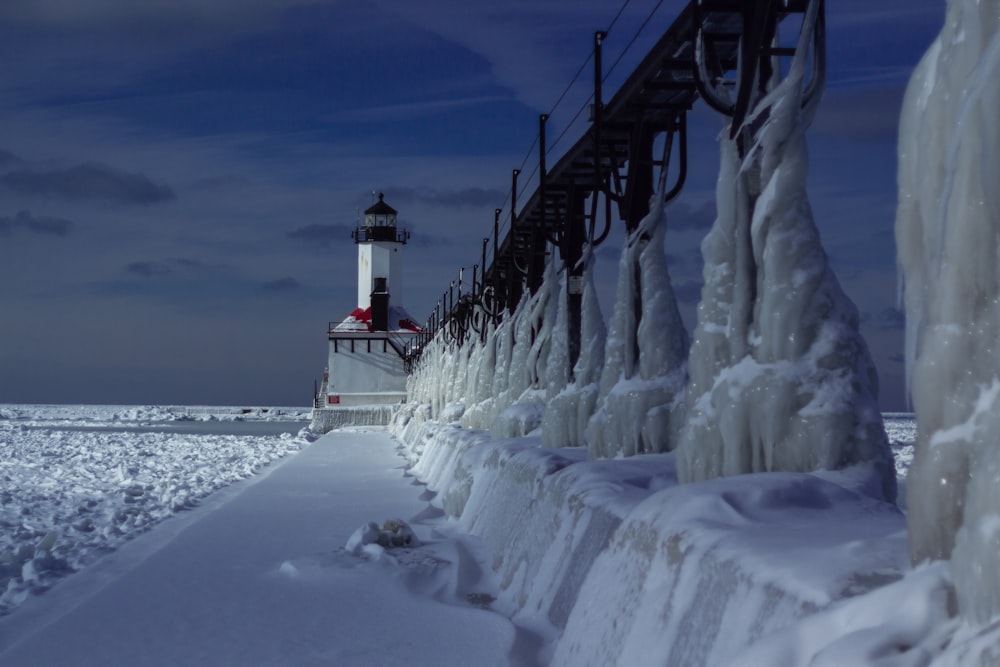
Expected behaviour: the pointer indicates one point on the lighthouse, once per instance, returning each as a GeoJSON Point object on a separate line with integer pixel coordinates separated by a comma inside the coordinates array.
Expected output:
{"type": "Point", "coordinates": [365, 373]}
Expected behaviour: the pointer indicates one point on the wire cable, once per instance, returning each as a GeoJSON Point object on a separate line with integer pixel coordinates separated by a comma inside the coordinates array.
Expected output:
{"type": "Point", "coordinates": [632, 41]}
{"type": "Point", "coordinates": [617, 16]}
{"type": "Point", "coordinates": [580, 110]}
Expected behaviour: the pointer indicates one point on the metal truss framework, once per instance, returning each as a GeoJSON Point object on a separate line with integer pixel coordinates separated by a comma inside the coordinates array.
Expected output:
{"type": "Point", "coordinates": [724, 52]}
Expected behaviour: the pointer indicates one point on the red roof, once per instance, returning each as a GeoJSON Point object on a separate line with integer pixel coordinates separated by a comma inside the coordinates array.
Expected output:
{"type": "Point", "coordinates": [360, 319]}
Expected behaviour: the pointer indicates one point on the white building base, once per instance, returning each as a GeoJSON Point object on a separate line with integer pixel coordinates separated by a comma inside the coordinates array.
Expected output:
{"type": "Point", "coordinates": [355, 399]}
{"type": "Point", "coordinates": [325, 420]}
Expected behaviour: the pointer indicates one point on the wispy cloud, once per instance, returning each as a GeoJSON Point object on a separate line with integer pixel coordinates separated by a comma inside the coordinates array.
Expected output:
{"type": "Point", "coordinates": [7, 158]}
{"type": "Point", "coordinates": [395, 112]}
{"type": "Point", "coordinates": [459, 198]}
{"type": "Point", "coordinates": [321, 234]}
{"type": "Point", "coordinates": [683, 216]}
{"type": "Point", "coordinates": [864, 114]}
{"type": "Point", "coordinates": [148, 269]}
{"type": "Point", "coordinates": [25, 221]}
{"type": "Point", "coordinates": [59, 11]}
{"type": "Point", "coordinates": [91, 181]}
{"type": "Point", "coordinates": [155, 268]}
{"type": "Point", "coordinates": [285, 284]}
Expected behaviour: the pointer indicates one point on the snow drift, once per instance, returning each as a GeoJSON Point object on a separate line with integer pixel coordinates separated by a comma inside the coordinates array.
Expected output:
{"type": "Point", "coordinates": [613, 562]}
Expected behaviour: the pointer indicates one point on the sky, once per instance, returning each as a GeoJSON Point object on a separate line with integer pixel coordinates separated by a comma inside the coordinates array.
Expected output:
{"type": "Point", "coordinates": [179, 178]}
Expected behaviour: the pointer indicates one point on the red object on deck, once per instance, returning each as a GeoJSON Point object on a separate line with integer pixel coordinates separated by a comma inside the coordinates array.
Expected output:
{"type": "Point", "coordinates": [333, 400]}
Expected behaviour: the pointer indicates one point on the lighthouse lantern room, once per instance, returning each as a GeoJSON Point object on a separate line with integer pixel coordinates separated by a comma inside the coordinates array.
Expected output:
{"type": "Point", "coordinates": [365, 361]}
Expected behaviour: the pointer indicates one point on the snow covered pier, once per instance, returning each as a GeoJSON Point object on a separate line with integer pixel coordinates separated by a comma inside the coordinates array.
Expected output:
{"type": "Point", "coordinates": [614, 562]}
{"type": "Point", "coordinates": [760, 427]}
{"type": "Point", "coordinates": [259, 575]}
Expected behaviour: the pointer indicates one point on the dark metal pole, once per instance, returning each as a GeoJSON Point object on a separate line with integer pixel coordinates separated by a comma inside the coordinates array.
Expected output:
{"type": "Point", "coordinates": [497, 300]}
{"type": "Point", "coordinates": [597, 118]}
{"type": "Point", "coordinates": [514, 278]}
{"type": "Point", "coordinates": [513, 199]}
{"type": "Point", "coordinates": [542, 179]}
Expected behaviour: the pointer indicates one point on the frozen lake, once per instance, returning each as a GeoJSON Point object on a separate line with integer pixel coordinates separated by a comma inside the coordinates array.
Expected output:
{"type": "Point", "coordinates": [276, 571]}
{"type": "Point", "coordinates": [78, 481]}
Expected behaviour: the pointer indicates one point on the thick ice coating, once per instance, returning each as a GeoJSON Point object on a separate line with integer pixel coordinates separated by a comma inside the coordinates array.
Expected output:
{"type": "Point", "coordinates": [948, 236]}
{"type": "Point", "coordinates": [645, 359]}
{"type": "Point", "coordinates": [571, 403]}
{"type": "Point", "coordinates": [780, 377]}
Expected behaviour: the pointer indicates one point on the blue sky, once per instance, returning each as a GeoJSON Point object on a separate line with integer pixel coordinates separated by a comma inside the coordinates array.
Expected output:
{"type": "Point", "coordinates": [178, 178]}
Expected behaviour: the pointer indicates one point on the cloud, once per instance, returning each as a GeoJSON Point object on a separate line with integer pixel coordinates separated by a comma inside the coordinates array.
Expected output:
{"type": "Point", "coordinates": [152, 268]}
{"type": "Point", "coordinates": [322, 234]}
{"type": "Point", "coordinates": [184, 261]}
{"type": "Point", "coordinates": [24, 220]}
{"type": "Point", "coordinates": [148, 269]}
{"type": "Point", "coordinates": [461, 198]}
{"type": "Point", "coordinates": [91, 181]}
{"type": "Point", "coordinates": [285, 284]}
{"type": "Point", "coordinates": [682, 216]}
{"type": "Point", "coordinates": [861, 114]}
{"type": "Point", "coordinates": [405, 111]}
{"type": "Point", "coordinates": [8, 158]}
{"type": "Point", "coordinates": [429, 241]}
{"type": "Point", "coordinates": [104, 11]}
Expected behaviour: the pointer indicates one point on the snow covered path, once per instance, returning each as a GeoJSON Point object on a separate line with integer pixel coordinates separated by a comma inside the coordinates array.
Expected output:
{"type": "Point", "coordinates": [259, 576]}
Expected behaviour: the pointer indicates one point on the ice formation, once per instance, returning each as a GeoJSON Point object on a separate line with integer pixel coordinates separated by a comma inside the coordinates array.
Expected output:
{"type": "Point", "coordinates": [80, 481]}
{"type": "Point", "coordinates": [645, 360]}
{"type": "Point", "coordinates": [572, 399]}
{"type": "Point", "coordinates": [495, 379]}
{"type": "Point", "coordinates": [518, 409]}
{"type": "Point", "coordinates": [613, 562]}
{"type": "Point", "coordinates": [780, 377]}
{"type": "Point", "coordinates": [948, 236]}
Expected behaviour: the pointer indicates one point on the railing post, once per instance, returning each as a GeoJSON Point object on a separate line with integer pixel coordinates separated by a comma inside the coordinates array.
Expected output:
{"type": "Point", "coordinates": [514, 276]}
{"type": "Point", "coordinates": [498, 302]}
{"type": "Point", "coordinates": [597, 120]}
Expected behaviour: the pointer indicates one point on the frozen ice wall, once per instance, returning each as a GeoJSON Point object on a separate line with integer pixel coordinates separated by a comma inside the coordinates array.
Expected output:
{"type": "Point", "coordinates": [948, 236]}
{"type": "Point", "coordinates": [780, 377]}
{"type": "Point", "coordinates": [645, 359]}
{"type": "Point", "coordinates": [571, 403]}
{"type": "Point", "coordinates": [518, 409]}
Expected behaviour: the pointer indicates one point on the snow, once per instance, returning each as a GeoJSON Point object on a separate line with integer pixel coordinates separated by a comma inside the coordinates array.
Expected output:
{"type": "Point", "coordinates": [614, 562]}
{"type": "Point", "coordinates": [79, 482]}
{"type": "Point", "coordinates": [275, 571]}
{"type": "Point", "coordinates": [479, 550]}
{"type": "Point", "coordinates": [732, 504]}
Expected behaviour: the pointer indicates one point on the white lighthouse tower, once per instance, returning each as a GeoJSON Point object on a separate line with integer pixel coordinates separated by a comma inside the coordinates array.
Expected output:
{"type": "Point", "coordinates": [365, 363]}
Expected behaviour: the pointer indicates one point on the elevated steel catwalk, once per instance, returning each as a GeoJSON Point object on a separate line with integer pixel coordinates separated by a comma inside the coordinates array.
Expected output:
{"type": "Point", "coordinates": [650, 102]}
{"type": "Point", "coordinates": [724, 52]}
